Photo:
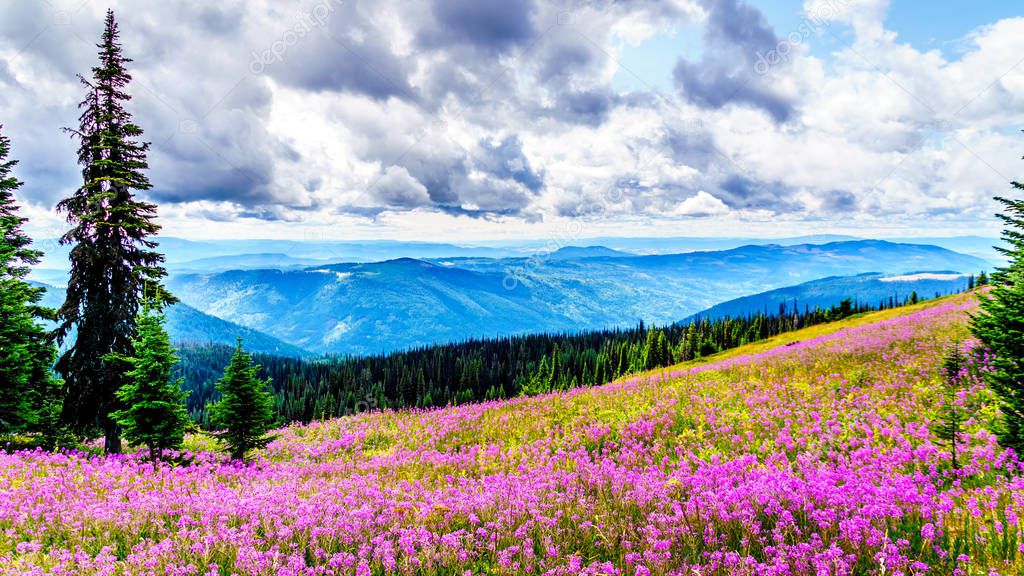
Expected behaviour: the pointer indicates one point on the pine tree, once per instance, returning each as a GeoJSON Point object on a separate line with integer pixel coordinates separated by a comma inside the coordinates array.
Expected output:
{"type": "Point", "coordinates": [664, 352]}
{"type": "Point", "coordinates": [27, 385]}
{"type": "Point", "coordinates": [112, 256]}
{"type": "Point", "coordinates": [651, 358]}
{"type": "Point", "coordinates": [155, 413]}
{"type": "Point", "coordinates": [555, 373]}
{"type": "Point", "coordinates": [949, 428]}
{"type": "Point", "coordinates": [1000, 325]}
{"type": "Point", "coordinates": [407, 389]}
{"type": "Point", "coordinates": [245, 412]}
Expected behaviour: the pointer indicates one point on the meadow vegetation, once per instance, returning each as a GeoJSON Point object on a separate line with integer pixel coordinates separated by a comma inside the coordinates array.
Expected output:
{"type": "Point", "coordinates": [813, 457]}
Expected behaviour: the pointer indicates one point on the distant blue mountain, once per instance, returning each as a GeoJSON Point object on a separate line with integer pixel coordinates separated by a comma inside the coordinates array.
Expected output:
{"type": "Point", "coordinates": [182, 253]}
{"type": "Point", "coordinates": [871, 289]}
{"type": "Point", "coordinates": [186, 325]}
{"type": "Point", "coordinates": [362, 308]}
{"type": "Point", "coordinates": [221, 255]}
{"type": "Point", "coordinates": [242, 262]}
{"type": "Point", "coordinates": [574, 252]}
{"type": "Point", "coordinates": [980, 246]}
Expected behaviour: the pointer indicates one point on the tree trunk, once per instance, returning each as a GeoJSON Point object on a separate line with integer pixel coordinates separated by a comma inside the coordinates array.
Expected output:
{"type": "Point", "coordinates": [112, 437]}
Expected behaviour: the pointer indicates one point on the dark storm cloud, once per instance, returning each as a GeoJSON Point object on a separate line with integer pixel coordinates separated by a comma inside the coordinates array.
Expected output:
{"type": "Point", "coordinates": [839, 202]}
{"type": "Point", "coordinates": [493, 176]}
{"type": "Point", "coordinates": [589, 107]}
{"type": "Point", "coordinates": [370, 212]}
{"type": "Point", "coordinates": [439, 174]}
{"type": "Point", "coordinates": [337, 48]}
{"type": "Point", "coordinates": [506, 161]}
{"type": "Point", "coordinates": [727, 72]}
{"type": "Point", "coordinates": [478, 214]}
{"type": "Point", "coordinates": [739, 192]}
{"type": "Point", "coordinates": [225, 183]}
{"type": "Point", "coordinates": [397, 189]}
{"type": "Point", "coordinates": [693, 147]}
{"type": "Point", "coordinates": [489, 26]}
{"type": "Point", "coordinates": [558, 63]}
{"type": "Point", "coordinates": [269, 213]}
{"type": "Point", "coordinates": [563, 60]}
{"type": "Point", "coordinates": [480, 196]}
{"type": "Point", "coordinates": [225, 153]}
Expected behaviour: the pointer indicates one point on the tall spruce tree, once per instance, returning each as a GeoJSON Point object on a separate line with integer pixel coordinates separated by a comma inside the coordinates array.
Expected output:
{"type": "Point", "coordinates": [245, 412]}
{"type": "Point", "coordinates": [155, 414]}
{"type": "Point", "coordinates": [112, 254]}
{"type": "Point", "coordinates": [1000, 325]}
{"type": "Point", "coordinates": [27, 385]}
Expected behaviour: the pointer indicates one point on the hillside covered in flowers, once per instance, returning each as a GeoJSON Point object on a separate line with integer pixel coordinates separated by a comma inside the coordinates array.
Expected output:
{"type": "Point", "coordinates": [815, 455]}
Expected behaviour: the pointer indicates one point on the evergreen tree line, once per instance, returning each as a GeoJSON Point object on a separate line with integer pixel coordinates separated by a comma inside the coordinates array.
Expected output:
{"type": "Point", "coordinates": [488, 369]}
{"type": "Point", "coordinates": [117, 368]}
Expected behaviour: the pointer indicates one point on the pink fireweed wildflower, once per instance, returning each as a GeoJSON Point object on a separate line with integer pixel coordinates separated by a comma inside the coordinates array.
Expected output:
{"type": "Point", "coordinates": [814, 458]}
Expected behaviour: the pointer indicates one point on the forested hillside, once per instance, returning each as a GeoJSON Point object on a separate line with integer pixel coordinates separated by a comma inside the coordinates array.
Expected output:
{"type": "Point", "coordinates": [190, 327]}
{"type": "Point", "coordinates": [828, 292]}
{"type": "Point", "coordinates": [487, 369]}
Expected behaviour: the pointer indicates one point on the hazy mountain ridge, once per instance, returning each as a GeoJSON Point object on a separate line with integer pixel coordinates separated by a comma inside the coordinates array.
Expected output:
{"type": "Point", "coordinates": [186, 325]}
{"type": "Point", "coordinates": [870, 288]}
{"type": "Point", "coordinates": [372, 307]}
{"type": "Point", "coordinates": [208, 256]}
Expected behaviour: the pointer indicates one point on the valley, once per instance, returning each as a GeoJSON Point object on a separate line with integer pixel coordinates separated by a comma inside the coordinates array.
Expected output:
{"type": "Point", "coordinates": [368, 308]}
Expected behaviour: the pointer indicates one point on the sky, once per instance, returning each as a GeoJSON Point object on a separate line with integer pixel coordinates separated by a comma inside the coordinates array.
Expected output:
{"type": "Point", "coordinates": [473, 120]}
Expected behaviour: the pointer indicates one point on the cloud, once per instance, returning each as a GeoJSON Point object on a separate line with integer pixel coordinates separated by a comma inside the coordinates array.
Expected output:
{"type": "Point", "coordinates": [744, 193]}
{"type": "Point", "coordinates": [563, 60]}
{"type": "Point", "coordinates": [865, 16]}
{"type": "Point", "coordinates": [489, 26]}
{"type": "Point", "coordinates": [505, 160]}
{"type": "Point", "coordinates": [586, 107]}
{"type": "Point", "coordinates": [397, 189]}
{"type": "Point", "coordinates": [336, 46]}
{"type": "Point", "coordinates": [838, 202]}
{"type": "Point", "coordinates": [498, 116]}
{"type": "Point", "coordinates": [701, 205]}
{"type": "Point", "coordinates": [727, 72]}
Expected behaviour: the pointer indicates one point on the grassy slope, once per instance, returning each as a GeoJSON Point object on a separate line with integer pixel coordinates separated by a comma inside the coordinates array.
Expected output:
{"type": "Point", "coordinates": [820, 330]}
{"type": "Point", "coordinates": [812, 458]}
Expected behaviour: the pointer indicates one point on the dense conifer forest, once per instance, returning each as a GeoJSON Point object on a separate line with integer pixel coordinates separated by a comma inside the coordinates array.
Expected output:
{"type": "Point", "coordinates": [488, 369]}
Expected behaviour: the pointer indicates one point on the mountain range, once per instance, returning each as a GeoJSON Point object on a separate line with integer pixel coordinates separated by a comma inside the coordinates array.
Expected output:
{"type": "Point", "coordinates": [871, 289]}
{"type": "Point", "coordinates": [360, 308]}
{"type": "Point", "coordinates": [188, 326]}
{"type": "Point", "coordinates": [209, 256]}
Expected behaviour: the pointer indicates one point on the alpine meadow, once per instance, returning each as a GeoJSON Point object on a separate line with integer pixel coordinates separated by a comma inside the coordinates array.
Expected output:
{"type": "Point", "coordinates": [503, 287]}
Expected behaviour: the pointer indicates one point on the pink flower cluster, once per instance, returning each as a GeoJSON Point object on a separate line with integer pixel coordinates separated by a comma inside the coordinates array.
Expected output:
{"type": "Point", "coordinates": [815, 458]}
